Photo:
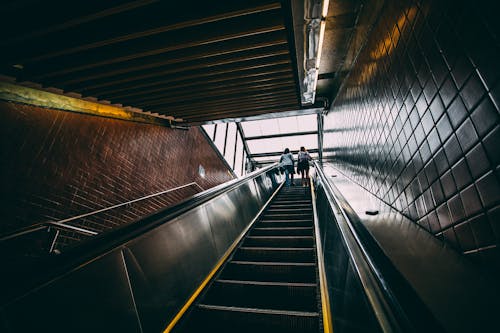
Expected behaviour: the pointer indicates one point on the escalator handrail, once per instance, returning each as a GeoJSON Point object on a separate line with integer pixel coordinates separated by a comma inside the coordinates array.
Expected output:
{"type": "Point", "coordinates": [51, 267]}
{"type": "Point", "coordinates": [372, 281]}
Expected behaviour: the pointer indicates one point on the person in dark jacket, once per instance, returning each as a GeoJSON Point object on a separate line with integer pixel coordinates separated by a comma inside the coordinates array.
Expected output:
{"type": "Point", "coordinates": [303, 158]}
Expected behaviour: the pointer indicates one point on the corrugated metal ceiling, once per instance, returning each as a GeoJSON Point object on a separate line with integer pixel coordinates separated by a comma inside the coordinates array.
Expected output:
{"type": "Point", "coordinates": [193, 60]}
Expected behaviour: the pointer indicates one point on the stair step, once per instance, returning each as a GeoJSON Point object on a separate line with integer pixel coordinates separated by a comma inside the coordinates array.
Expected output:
{"type": "Point", "coordinates": [286, 231]}
{"type": "Point", "coordinates": [299, 193]}
{"type": "Point", "coordinates": [269, 271]}
{"type": "Point", "coordinates": [284, 223]}
{"type": "Point", "coordinates": [295, 189]}
{"type": "Point", "coordinates": [292, 202]}
{"type": "Point", "coordinates": [268, 283]}
{"type": "Point", "coordinates": [251, 294]}
{"type": "Point", "coordinates": [279, 241]}
{"type": "Point", "coordinates": [289, 209]}
{"type": "Point", "coordinates": [275, 254]}
{"type": "Point", "coordinates": [303, 206]}
{"type": "Point", "coordinates": [291, 215]}
{"type": "Point", "coordinates": [222, 319]}
{"type": "Point", "coordinates": [281, 217]}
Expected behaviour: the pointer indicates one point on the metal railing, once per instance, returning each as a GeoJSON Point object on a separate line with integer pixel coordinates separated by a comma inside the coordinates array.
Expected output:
{"type": "Point", "coordinates": [62, 225]}
{"type": "Point", "coordinates": [372, 281]}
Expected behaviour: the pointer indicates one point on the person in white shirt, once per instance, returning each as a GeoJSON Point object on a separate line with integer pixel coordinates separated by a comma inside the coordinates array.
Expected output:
{"type": "Point", "coordinates": [287, 162]}
{"type": "Point", "coordinates": [303, 158]}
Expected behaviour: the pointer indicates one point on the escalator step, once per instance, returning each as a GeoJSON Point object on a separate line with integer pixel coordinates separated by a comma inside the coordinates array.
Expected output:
{"type": "Point", "coordinates": [216, 318]}
{"type": "Point", "coordinates": [279, 241]}
{"type": "Point", "coordinates": [287, 284]}
{"type": "Point", "coordinates": [291, 215]}
{"type": "Point", "coordinates": [288, 209]}
{"type": "Point", "coordinates": [280, 206]}
{"type": "Point", "coordinates": [290, 201]}
{"type": "Point", "coordinates": [275, 254]}
{"type": "Point", "coordinates": [269, 271]}
{"type": "Point", "coordinates": [252, 294]}
{"type": "Point", "coordinates": [282, 217]}
{"type": "Point", "coordinates": [284, 223]}
{"type": "Point", "coordinates": [286, 231]}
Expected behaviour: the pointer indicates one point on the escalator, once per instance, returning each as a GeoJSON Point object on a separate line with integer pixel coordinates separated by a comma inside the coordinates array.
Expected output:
{"type": "Point", "coordinates": [246, 256]}
{"type": "Point", "coordinates": [270, 283]}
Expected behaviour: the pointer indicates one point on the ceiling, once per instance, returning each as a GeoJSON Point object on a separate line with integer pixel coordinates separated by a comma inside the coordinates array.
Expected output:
{"type": "Point", "coordinates": [267, 138]}
{"type": "Point", "coordinates": [195, 61]}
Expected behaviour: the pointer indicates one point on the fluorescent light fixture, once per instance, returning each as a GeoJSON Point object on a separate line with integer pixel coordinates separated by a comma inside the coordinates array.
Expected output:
{"type": "Point", "coordinates": [324, 11]}
{"type": "Point", "coordinates": [314, 35]}
{"type": "Point", "coordinates": [320, 43]}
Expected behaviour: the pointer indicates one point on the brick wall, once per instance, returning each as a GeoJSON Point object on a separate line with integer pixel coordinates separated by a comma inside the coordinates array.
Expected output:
{"type": "Point", "coordinates": [57, 164]}
{"type": "Point", "coordinates": [418, 121]}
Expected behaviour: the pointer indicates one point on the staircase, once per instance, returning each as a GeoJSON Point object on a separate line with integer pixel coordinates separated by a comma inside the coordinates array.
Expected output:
{"type": "Point", "coordinates": [270, 284]}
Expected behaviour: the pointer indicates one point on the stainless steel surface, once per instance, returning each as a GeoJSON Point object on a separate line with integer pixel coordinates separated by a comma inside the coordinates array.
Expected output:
{"type": "Point", "coordinates": [128, 202]}
{"type": "Point", "coordinates": [96, 298]}
{"type": "Point", "coordinates": [458, 294]}
{"type": "Point", "coordinates": [163, 266]}
{"type": "Point", "coordinates": [363, 263]}
{"type": "Point", "coordinates": [79, 230]}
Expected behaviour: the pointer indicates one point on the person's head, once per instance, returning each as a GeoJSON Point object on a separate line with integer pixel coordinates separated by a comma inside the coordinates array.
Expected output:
{"type": "Point", "coordinates": [302, 148]}
{"type": "Point", "coordinates": [286, 151]}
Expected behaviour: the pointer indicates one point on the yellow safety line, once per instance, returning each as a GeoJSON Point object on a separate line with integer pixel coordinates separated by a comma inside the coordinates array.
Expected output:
{"type": "Point", "coordinates": [216, 268]}
{"type": "Point", "coordinates": [325, 299]}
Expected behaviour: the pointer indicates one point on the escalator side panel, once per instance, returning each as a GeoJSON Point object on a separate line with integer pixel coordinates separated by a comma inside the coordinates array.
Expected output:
{"type": "Point", "coordinates": [227, 220]}
{"type": "Point", "coordinates": [58, 306]}
{"type": "Point", "coordinates": [146, 281]}
{"type": "Point", "coordinates": [187, 250]}
{"type": "Point", "coordinates": [161, 262]}
{"type": "Point", "coordinates": [349, 307]}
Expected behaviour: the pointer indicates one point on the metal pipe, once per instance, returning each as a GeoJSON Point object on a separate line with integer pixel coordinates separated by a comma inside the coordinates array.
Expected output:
{"type": "Point", "coordinates": [61, 223]}
{"type": "Point", "coordinates": [315, 12]}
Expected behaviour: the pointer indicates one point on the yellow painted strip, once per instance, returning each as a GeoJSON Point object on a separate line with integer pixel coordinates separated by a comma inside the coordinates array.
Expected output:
{"type": "Point", "coordinates": [323, 285]}
{"type": "Point", "coordinates": [222, 260]}
{"type": "Point", "coordinates": [16, 93]}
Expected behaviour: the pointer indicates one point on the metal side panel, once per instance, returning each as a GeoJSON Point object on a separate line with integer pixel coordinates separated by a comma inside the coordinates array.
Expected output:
{"type": "Point", "coordinates": [349, 306]}
{"type": "Point", "coordinates": [457, 293]}
{"type": "Point", "coordinates": [94, 299]}
{"type": "Point", "coordinates": [139, 285]}
{"type": "Point", "coordinates": [167, 264]}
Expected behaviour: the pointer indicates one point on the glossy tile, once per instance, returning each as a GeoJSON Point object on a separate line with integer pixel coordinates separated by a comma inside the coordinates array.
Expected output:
{"type": "Point", "coordinates": [418, 124]}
